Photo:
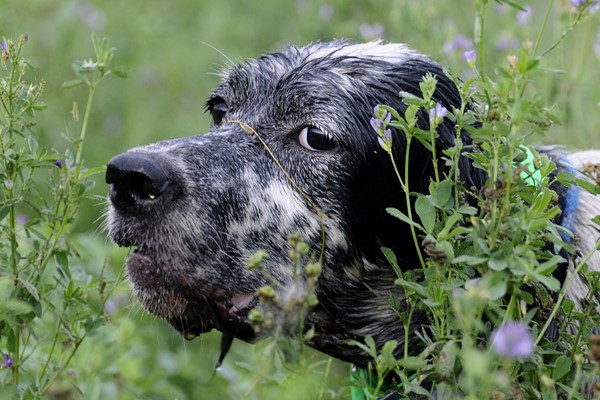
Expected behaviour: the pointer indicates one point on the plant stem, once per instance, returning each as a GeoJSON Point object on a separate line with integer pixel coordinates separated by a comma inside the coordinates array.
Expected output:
{"type": "Point", "coordinates": [436, 173]}
{"type": "Point", "coordinates": [538, 39]}
{"type": "Point", "coordinates": [561, 295]}
{"type": "Point", "coordinates": [86, 116]}
{"type": "Point", "coordinates": [9, 167]}
{"type": "Point", "coordinates": [404, 183]}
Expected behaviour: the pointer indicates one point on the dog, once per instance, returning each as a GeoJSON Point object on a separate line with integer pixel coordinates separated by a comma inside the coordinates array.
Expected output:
{"type": "Point", "coordinates": [291, 149]}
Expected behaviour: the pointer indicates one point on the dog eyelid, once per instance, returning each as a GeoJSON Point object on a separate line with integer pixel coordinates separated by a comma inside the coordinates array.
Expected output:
{"type": "Point", "coordinates": [314, 138]}
{"type": "Point", "coordinates": [218, 108]}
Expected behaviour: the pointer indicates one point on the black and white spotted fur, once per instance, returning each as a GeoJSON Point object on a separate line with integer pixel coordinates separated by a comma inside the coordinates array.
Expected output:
{"type": "Point", "coordinates": [196, 208]}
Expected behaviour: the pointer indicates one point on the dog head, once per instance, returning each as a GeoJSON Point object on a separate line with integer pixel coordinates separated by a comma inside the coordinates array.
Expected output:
{"type": "Point", "coordinates": [290, 142]}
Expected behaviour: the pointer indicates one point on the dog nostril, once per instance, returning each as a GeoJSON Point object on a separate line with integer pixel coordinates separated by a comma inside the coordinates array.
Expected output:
{"type": "Point", "coordinates": [135, 177]}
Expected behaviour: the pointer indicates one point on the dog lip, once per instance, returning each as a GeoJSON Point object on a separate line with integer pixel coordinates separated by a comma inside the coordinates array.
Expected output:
{"type": "Point", "coordinates": [227, 315]}
{"type": "Point", "coordinates": [192, 311]}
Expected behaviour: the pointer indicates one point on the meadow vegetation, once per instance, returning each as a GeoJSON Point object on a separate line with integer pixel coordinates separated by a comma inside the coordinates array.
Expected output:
{"type": "Point", "coordinates": [69, 326]}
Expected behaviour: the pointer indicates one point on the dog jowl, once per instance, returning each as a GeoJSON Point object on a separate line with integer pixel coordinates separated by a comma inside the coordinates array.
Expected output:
{"type": "Point", "coordinates": [195, 209]}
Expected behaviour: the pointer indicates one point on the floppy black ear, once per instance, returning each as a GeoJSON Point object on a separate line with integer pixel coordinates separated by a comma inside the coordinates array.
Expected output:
{"type": "Point", "coordinates": [447, 93]}
{"type": "Point", "coordinates": [411, 74]}
{"type": "Point", "coordinates": [406, 76]}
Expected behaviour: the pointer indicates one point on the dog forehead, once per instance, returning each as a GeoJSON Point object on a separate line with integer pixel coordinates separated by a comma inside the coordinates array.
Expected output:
{"type": "Point", "coordinates": [277, 64]}
{"type": "Point", "coordinates": [284, 82]}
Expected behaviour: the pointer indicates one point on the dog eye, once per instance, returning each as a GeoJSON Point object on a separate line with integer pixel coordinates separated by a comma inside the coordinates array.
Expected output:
{"type": "Point", "coordinates": [313, 138]}
{"type": "Point", "coordinates": [218, 111]}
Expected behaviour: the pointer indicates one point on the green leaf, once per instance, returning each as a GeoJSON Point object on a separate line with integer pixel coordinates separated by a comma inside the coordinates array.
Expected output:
{"type": "Point", "coordinates": [39, 106]}
{"type": "Point", "coordinates": [411, 363]}
{"type": "Point", "coordinates": [562, 366]}
{"type": "Point", "coordinates": [4, 212]}
{"type": "Point", "coordinates": [432, 304]}
{"type": "Point", "coordinates": [392, 259]}
{"type": "Point", "coordinates": [513, 4]}
{"type": "Point", "coordinates": [547, 267]}
{"type": "Point", "coordinates": [469, 260]}
{"type": "Point", "coordinates": [414, 387]}
{"type": "Point", "coordinates": [61, 259]}
{"type": "Point", "coordinates": [256, 259]}
{"type": "Point", "coordinates": [495, 284]}
{"type": "Point", "coordinates": [548, 281]}
{"type": "Point", "coordinates": [394, 212]}
{"type": "Point", "coordinates": [589, 186]}
{"type": "Point", "coordinates": [412, 286]}
{"type": "Point", "coordinates": [497, 263]}
{"type": "Point", "coordinates": [121, 71]}
{"type": "Point", "coordinates": [389, 347]}
{"type": "Point", "coordinates": [409, 98]}
{"type": "Point", "coordinates": [370, 342]}
{"type": "Point", "coordinates": [32, 143]}
{"type": "Point", "coordinates": [426, 212]}
{"type": "Point", "coordinates": [443, 193]}
{"type": "Point", "coordinates": [566, 178]}
{"type": "Point", "coordinates": [410, 115]}
{"type": "Point", "coordinates": [450, 222]}
{"type": "Point", "coordinates": [30, 288]}
{"type": "Point", "coordinates": [71, 84]}
{"type": "Point", "coordinates": [448, 249]}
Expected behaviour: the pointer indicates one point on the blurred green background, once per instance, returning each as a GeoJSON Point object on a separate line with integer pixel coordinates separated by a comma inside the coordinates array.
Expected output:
{"type": "Point", "coordinates": [175, 50]}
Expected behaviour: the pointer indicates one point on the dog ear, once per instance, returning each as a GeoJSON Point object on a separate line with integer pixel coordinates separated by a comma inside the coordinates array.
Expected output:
{"type": "Point", "coordinates": [408, 77]}
{"type": "Point", "coordinates": [448, 94]}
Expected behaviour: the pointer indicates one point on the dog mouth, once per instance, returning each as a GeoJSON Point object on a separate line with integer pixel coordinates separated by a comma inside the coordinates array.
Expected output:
{"type": "Point", "coordinates": [166, 292]}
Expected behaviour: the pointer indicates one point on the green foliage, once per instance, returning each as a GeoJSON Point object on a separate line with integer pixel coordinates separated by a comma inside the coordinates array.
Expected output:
{"type": "Point", "coordinates": [65, 317]}
{"type": "Point", "coordinates": [50, 304]}
{"type": "Point", "coordinates": [495, 262]}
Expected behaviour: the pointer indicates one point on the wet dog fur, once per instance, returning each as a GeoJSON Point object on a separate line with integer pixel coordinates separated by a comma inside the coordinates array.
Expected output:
{"type": "Point", "coordinates": [196, 208]}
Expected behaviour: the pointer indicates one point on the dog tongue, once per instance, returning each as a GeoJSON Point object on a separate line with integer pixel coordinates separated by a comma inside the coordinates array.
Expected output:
{"type": "Point", "coordinates": [241, 301]}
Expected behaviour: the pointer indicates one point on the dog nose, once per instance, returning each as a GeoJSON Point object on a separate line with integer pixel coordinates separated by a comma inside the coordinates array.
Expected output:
{"type": "Point", "coordinates": [135, 180]}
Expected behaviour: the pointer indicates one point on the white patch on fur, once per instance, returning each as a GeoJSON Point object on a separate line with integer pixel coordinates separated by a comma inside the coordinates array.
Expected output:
{"type": "Point", "coordinates": [369, 266]}
{"type": "Point", "coordinates": [396, 53]}
{"type": "Point", "coordinates": [274, 203]}
{"type": "Point", "coordinates": [291, 206]}
{"type": "Point", "coordinates": [586, 233]}
{"type": "Point", "coordinates": [352, 273]}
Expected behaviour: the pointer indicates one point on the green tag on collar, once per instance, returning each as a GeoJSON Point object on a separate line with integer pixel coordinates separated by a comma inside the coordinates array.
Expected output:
{"type": "Point", "coordinates": [532, 175]}
{"type": "Point", "coordinates": [356, 391]}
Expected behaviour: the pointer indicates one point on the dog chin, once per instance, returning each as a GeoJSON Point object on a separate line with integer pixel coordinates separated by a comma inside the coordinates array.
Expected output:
{"type": "Point", "coordinates": [190, 311]}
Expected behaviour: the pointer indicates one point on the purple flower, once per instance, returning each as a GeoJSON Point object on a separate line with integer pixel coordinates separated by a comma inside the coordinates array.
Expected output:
{"type": "Point", "coordinates": [381, 119]}
{"type": "Point", "coordinates": [500, 8]}
{"type": "Point", "coordinates": [3, 45]}
{"type": "Point", "coordinates": [513, 340]}
{"type": "Point", "coordinates": [58, 163]}
{"type": "Point", "coordinates": [379, 124]}
{"type": "Point", "coordinates": [587, 5]}
{"type": "Point", "coordinates": [439, 111]}
{"type": "Point", "coordinates": [386, 141]}
{"type": "Point", "coordinates": [470, 55]}
{"type": "Point", "coordinates": [8, 362]}
{"type": "Point", "coordinates": [507, 43]}
{"type": "Point", "coordinates": [26, 36]}
{"type": "Point", "coordinates": [523, 17]}
{"type": "Point", "coordinates": [460, 42]}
